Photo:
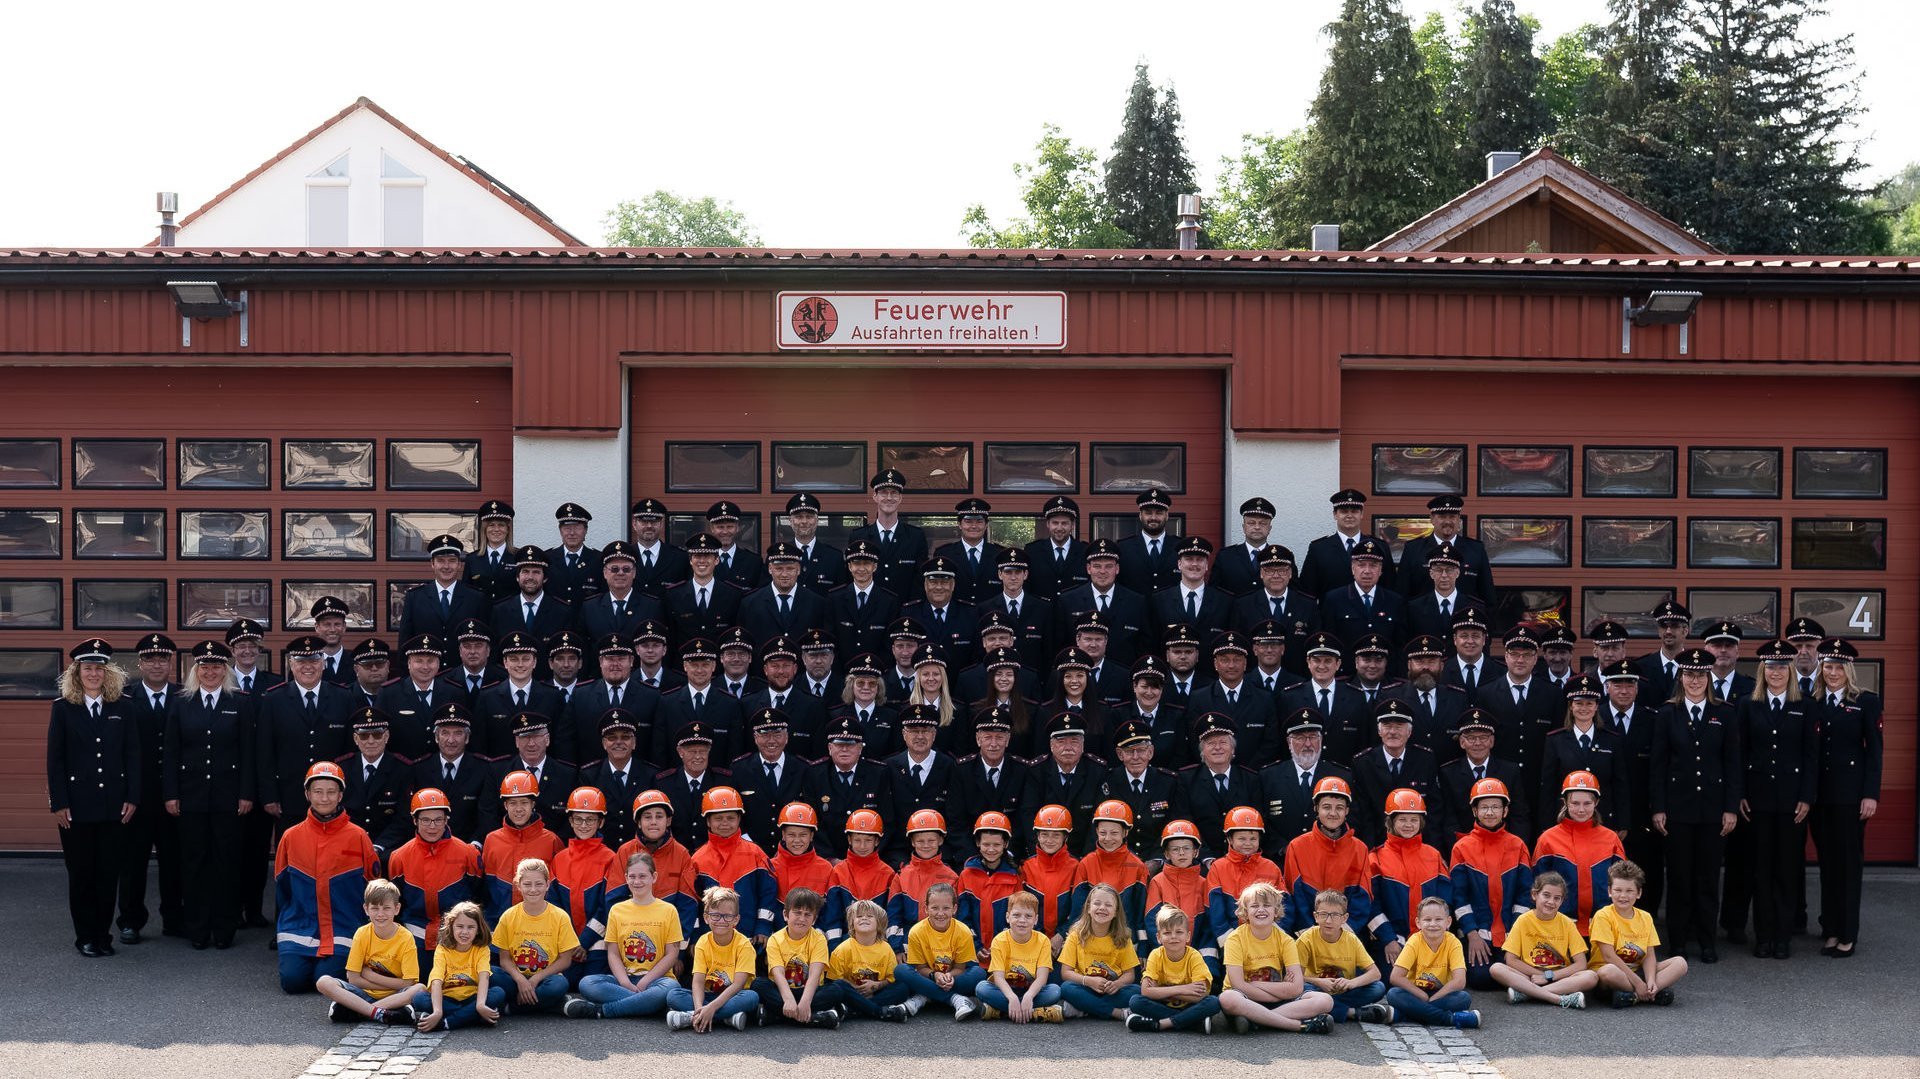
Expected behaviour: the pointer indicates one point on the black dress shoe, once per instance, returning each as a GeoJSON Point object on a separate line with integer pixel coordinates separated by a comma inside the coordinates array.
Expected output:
{"type": "Point", "coordinates": [200, 944]}
{"type": "Point", "coordinates": [1709, 954]}
{"type": "Point", "coordinates": [223, 943]}
{"type": "Point", "coordinates": [1736, 936]}
{"type": "Point", "coordinates": [1762, 949]}
{"type": "Point", "coordinates": [1782, 950]}
{"type": "Point", "coordinates": [1843, 953]}
{"type": "Point", "coordinates": [129, 935]}
{"type": "Point", "coordinates": [92, 950]}
{"type": "Point", "coordinates": [1827, 950]}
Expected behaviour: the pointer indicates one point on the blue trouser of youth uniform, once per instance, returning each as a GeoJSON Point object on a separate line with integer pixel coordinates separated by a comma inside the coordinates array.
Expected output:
{"type": "Point", "coordinates": [746, 1000]}
{"type": "Point", "coordinates": [1354, 998]}
{"type": "Point", "coordinates": [964, 981]}
{"type": "Point", "coordinates": [858, 1003]}
{"type": "Point", "coordinates": [466, 1013]}
{"type": "Point", "coordinates": [549, 996]}
{"type": "Point", "coordinates": [299, 972]}
{"type": "Point", "coordinates": [1097, 1005]}
{"type": "Point", "coordinates": [1481, 977]}
{"type": "Point", "coordinates": [1187, 1018]}
{"type": "Point", "coordinates": [990, 995]}
{"type": "Point", "coordinates": [825, 995]}
{"type": "Point", "coordinates": [1437, 1012]}
{"type": "Point", "coordinates": [618, 1002]}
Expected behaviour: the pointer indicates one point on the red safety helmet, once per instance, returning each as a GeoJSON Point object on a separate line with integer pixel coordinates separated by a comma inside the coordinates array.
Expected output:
{"type": "Point", "coordinates": [587, 800]}
{"type": "Point", "coordinates": [429, 798]}
{"type": "Point", "coordinates": [1332, 785]}
{"type": "Point", "coordinates": [324, 770]}
{"type": "Point", "coordinates": [1580, 780]}
{"type": "Point", "coordinates": [993, 821]}
{"type": "Point", "coordinates": [721, 800]}
{"type": "Point", "coordinates": [864, 822]}
{"type": "Point", "coordinates": [1244, 818]}
{"type": "Point", "coordinates": [1053, 818]}
{"type": "Point", "coordinates": [519, 784]}
{"type": "Point", "coordinates": [651, 798]}
{"type": "Point", "coordinates": [1180, 829]}
{"type": "Point", "coordinates": [926, 820]}
{"type": "Point", "coordinates": [1405, 800]}
{"type": "Point", "coordinates": [799, 815]}
{"type": "Point", "coordinates": [1114, 809]}
{"type": "Point", "coordinates": [1488, 788]}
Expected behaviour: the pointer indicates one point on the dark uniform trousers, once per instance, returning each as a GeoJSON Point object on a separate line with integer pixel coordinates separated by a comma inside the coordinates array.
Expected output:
{"type": "Point", "coordinates": [1696, 778]}
{"type": "Point", "coordinates": [152, 835]}
{"type": "Point", "coordinates": [1851, 745]}
{"type": "Point", "coordinates": [1779, 750]}
{"type": "Point", "coordinates": [93, 770]}
{"type": "Point", "coordinates": [209, 769]}
{"type": "Point", "coordinates": [1645, 847]}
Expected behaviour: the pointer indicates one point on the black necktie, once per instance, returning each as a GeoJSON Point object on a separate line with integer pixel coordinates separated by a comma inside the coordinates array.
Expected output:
{"type": "Point", "coordinates": [1586, 743]}
{"type": "Point", "coordinates": [1139, 785]}
{"type": "Point", "coordinates": [446, 604]}
{"type": "Point", "coordinates": [1479, 772]}
{"type": "Point", "coordinates": [1220, 782]}
{"type": "Point", "coordinates": [369, 776]}
{"type": "Point", "coordinates": [246, 683]}
{"type": "Point", "coordinates": [494, 557]}
{"type": "Point", "coordinates": [973, 559]}
{"type": "Point", "coordinates": [846, 780]}
{"type": "Point", "coordinates": [699, 701]}
{"type": "Point", "coordinates": [702, 601]}
{"type": "Point", "coordinates": [1696, 714]}
{"type": "Point", "coordinates": [613, 696]}
{"type": "Point", "coordinates": [1519, 694]}
{"type": "Point", "coordinates": [886, 537]}
{"type": "Point", "coordinates": [693, 786]}
{"type": "Point", "coordinates": [771, 778]}
{"type": "Point", "coordinates": [473, 683]}
{"type": "Point", "coordinates": [1104, 600]}
{"type": "Point", "coordinates": [736, 688]}
{"type": "Point", "coordinates": [530, 610]}
{"type": "Point", "coordinates": [425, 699]}
{"type": "Point", "coordinates": [96, 709]}
{"type": "Point", "coordinates": [1273, 606]}
{"type": "Point", "coordinates": [940, 616]}
{"type": "Point", "coordinates": [207, 702]}
{"type": "Point", "coordinates": [919, 775]}
{"type": "Point", "coordinates": [1806, 687]}
{"type": "Point", "coordinates": [1193, 605]}
{"type": "Point", "coordinates": [619, 608]}
{"type": "Point", "coordinates": [1621, 719]}
{"type": "Point", "coordinates": [311, 705]}
{"type": "Point", "coordinates": [1472, 672]}
{"type": "Point", "coordinates": [646, 559]}
{"type": "Point", "coordinates": [1233, 696]}
{"type": "Point", "coordinates": [1446, 608]}
{"type": "Point", "coordinates": [1366, 602]}
{"type": "Point", "coordinates": [1349, 544]}
{"type": "Point", "coordinates": [520, 698]}
{"type": "Point", "coordinates": [1325, 706]}
{"type": "Point", "coordinates": [1153, 548]}
{"type": "Point", "coordinates": [449, 772]}
{"type": "Point", "coordinates": [866, 717]}
{"type": "Point", "coordinates": [726, 560]}
{"type": "Point", "coordinates": [786, 607]}
{"type": "Point", "coordinates": [1306, 783]}
{"type": "Point", "coordinates": [993, 778]}
{"type": "Point", "coordinates": [1013, 611]}
{"type": "Point", "coordinates": [1270, 681]}
{"type": "Point", "coordinates": [1777, 709]}
{"type": "Point", "coordinates": [331, 668]}
{"type": "Point", "coordinates": [1426, 701]}
{"type": "Point", "coordinates": [1393, 767]}
{"type": "Point", "coordinates": [859, 601]}
{"type": "Point", "coordinates": [1060, 555]}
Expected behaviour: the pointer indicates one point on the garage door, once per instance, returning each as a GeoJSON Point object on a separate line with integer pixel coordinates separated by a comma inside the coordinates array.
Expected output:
{"type": "Point", "coordinates": [1014, 437]}
{"type": "Point", "coordinates": [1755, 499]}
{"type": "Point", "coordinates": [171, 499]}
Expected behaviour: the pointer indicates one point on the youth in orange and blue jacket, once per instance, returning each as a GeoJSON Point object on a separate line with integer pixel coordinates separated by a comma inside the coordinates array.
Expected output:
{"type": "Point", "coordinates": [1050, 877]}
{"type": "Point", "coordinates": [1227, 877]}
{"type": "Point", "coordinates": [1125, 873]}
{"type": "Point", "coordinates": [916, 877]}
{"type": "Point", "coordinates": [584, 873]}
{"type": "Point", "coordinates": [1582, 853]}
{"type": "Point", "coordinates": [320, 876]}
{"type": "Point", "coordinates": [432, 877]}
{"type": "Point", "coordinates": [1184, 887]}
{"type": "Point", "coordinates": [736, 862]}
{"type": "Point", "coordinates": [859, 877]}
{"type": "Point", "coordinates": [505, 848]}
{"type": "Point", "coordinates": [983, 892]}
{"type": "Point", "coordinates": [790, 871]}
{"type": "Point", "coordinates": [1492, 885]}
{"type": "Point", "coordinates": [1316, 862]}
{"type": "Point", "coordinates": [1403, 872]}
{"type": "Point", "coordinates": [672, 881]}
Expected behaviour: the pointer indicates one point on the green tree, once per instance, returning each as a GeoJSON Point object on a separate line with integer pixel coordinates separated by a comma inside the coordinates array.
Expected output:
{"type": "Point", "coordinates": [1628, 130]}
{"type": "Point", "coordinates": [1443, 56]}
{"type": "Point", "coordinates": [1374, 151]}
{"type": "Point", "coordinates": [1899, 204]}
{"type": "Point", "coordinates": [1065, 201]}
{"type": "Point", "coordinates": [664, 219]}
{"type": "Point", "coordinates": [1256, 205]}
{"type": "Point", "coordinates": [1501, 78]}
{"type": "Point", "coordinates": [1569, 77]}
{"type": "Point", "coordinates": [1149, 168]}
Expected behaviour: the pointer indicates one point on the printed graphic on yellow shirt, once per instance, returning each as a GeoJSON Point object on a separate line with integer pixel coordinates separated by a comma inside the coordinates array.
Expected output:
{"type": "Point", "coordinates": [716, 982]}
{"type": "Point", "coordinates": [1019, 977]}
{"type": "Point", "coordinates": [1630, 953]}
{"type": "Point", "coordinates": [1261, 974]}
{"type": "Point", "coordinates": [530, 957]}
{"type": "Point", "coordinates": [942, 964]}
{"type": "Point", "coordinates": [1428, 981]}
{"type": "Point", "coordinates": [864, 974]}
{"type": "Point", "coordinates": [377, 967]}
{"type": "Point", "coordinates": [1331, 970]}
{"type": "Point", "coordinates": [795, 972]}
{"type": "Point", "coordinates": [1544, 956]}
{"type": "Point", "coordinates": [1098, 969]}
{"type": "Point", "coordinates": [459, 979]}
{"type": "Point", "coordinates": [638, 949]}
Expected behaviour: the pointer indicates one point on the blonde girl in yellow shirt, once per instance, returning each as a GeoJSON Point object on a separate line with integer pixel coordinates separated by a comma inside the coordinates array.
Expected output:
{"type": "Point", "coordinates": [1265, 986]}
{"type": "Point", "coordinates": [1098, 966]}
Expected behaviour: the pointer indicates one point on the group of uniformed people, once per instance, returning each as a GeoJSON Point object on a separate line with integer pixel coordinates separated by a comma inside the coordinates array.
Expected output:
{"type": "Point", "coordinates": [1184, 680]}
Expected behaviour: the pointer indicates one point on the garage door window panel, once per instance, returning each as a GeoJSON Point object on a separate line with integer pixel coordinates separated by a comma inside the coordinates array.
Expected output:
{"type": "Point", "coordinates": [1033, 467]}
{"type": "Point", "coordinates": [328, 534]}
{"type": "Point", "coordinates": [129, 534]}
{"type": "Point", "coordinates": [713, 467]}
{"type": "Point", "coordinates": [30, 674]}
{"type": "Point", "coordinates": [433, 466]}
{"type": "Point", "coordinates": [409, 531]}
{"type": "Point", "coordinates": [821, 467]}
{"type": "Point", "coordinates": [119, 604]}
{"type": "Point", "coordinates": [30, 533]}
{"type": "Point", "coordinates": [1733, 543]}
{"type": "Point", "coordinates": [219, 603]}
{"type": "Point", "coordinates": [120, 463]}
{"type": "Point", "coordinates": [1419, 470]}
{"type": "Point", "coordinates": [30, 603]}
{"type": "Point", "coordinates": [931, 467]}
{"type": "Point", "coordinates": [1755, 610]}
{"type": "Point", "coordinates": [1840, 543]}
{"type": "Point", "coordinates": [29, 462]}
{"type": "Point", "coordinates": [297, 598]}
{"type": "Point", "coordinates": [327, 465]}
{"type": "Point", "coordinates": [1839, 473]}
{"type": "Point", "coordinates": [1631, 471]}
{"type": "Point", "coordinates": [1733, 472]}
{"type": "Point", "coordinates": [1642, 542]}
{"type": "Point", "coordinates": [244, 464]}
{"type": "Point", "coordinates": [1631, 607]}
{"type": "Point", "coordinates": [1132, 467]}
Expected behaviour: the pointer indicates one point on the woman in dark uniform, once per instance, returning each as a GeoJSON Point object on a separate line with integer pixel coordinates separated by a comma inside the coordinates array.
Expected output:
{"type": "Point", "coordinates": [1071, 670]}
{"type": "Point", "coordinates": [1780, 742]}
{"type": "Point", "coordinates": [93, 785]}
{"type": "Point", "coordinates": [865, 698]}
{"type": "Point", "coordinates": [1695, 798]}
{"type": "Point", "coordinates": [1849, 792]}
{"type": "Point", "coordinates": [1587, 743]}
{"type": "Point", "coordinates": [1003, 691]}
{"type": "Point", "coordinates": [208, 779]}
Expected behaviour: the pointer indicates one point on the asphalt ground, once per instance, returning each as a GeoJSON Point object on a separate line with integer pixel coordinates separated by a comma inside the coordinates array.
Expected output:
{"type": "Point", "coordinates": [160, 1009]}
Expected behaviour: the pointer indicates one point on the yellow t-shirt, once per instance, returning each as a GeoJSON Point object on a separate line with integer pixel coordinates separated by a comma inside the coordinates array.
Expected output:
{"type": "Point", "coordinates": [1261, 960]}
{"type": "Point", "coordinates": [459, 972]}
{"type": "Point", "coordinates": [1430, 967]}
{"type": "Point", "coordinates": [532, 942]}
{"type": "Point", "coordinates": [942, 952]}
{"type": "Point", "coordinates": [392, 956]}
{"type": "Point", "coordinates": [1098, 956]}
{"type": "Point", "coordinates": [718, 963]}
{"type": "Point", "coordinates": [1630, 939]}
{"type": "Point", "coordinates": [1345, 957]}
{"type": "Point", "coordinates": [1191, 968]}
{"type": "Point", "coordinates": [791, 958]}
{"type": "Point", "coordinates": [1020, 963]}
{"type": "Point", "coordinates": [871, 962]}
{"type": "Point", "coordinates": [640, 933]}
{"type": "Point", "coordinates": [1544, 945]}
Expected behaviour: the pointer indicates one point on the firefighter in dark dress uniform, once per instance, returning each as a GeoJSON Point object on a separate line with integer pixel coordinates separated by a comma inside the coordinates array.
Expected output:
{"type": "Point", "coordinates": [1237, 569]}
{"type": "Point", "coordinates": [573, 568]}
{"type": "Point", "coordinates": [1152, 792]}
{"type": "Point", "coordinates": [823, 567]}
{"type": "Point", "coordinates": [1058, 557]}
{"type": "Point", "coordinates": [901, 547]}
{"type": "Point", "coordinates": [1696, 779]}
{"type": "Point", "coordinates": [1851, 746]}
{"type": "Point", "coordinates": [207, 779]}
{"type": "Point", "coordinates": [975, 558]}
{"type": "Point", "coordinates": [660, 563]}
{"type": "Point", "coordinates": [490, 569]}
{"type": "Point", "coordinates": [1147, 559]}
{"type": "Point", "coordinates": [1328, 566]}
{"type": "Point", "coordinates": [152, 835]}
{"type": "Point", "coordinates": [1779, 741]}
{"type": "Point", "coordinates": [93, 790]}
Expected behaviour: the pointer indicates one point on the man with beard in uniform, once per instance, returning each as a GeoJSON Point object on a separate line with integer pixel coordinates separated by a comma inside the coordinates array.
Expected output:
{"type": "Point", "coordinates": [1057, 559]}
{"type": "Point", "coordinates": [1147, 562]}
{"type": "Point", "coordinates": [1370, 657]}
{"type": "Point", "coordinates": [489, 570]}
{"type": "Point", "coordinates": [738, 564]}
{"type": "Point", "coordinates": [823, 567]}
{"type": "Point", "coordinates": [1433, 706]}
{"type": "Point", "coordinates": [1287, 784]}
{"type": "Point", "coordinates": [535, 609]}
{"type": "Point", "coordinates": [1659, 671]}
{"type": "Point", "coordinates": [659, 563]}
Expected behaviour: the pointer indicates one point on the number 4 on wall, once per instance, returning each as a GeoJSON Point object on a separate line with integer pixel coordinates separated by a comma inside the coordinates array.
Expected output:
{"type": "Point", "coordinates": [1862, 619]}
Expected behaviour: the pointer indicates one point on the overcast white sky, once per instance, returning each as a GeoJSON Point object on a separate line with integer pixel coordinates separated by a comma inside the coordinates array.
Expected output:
{"type": "Point", "coordinates": [843, 125]}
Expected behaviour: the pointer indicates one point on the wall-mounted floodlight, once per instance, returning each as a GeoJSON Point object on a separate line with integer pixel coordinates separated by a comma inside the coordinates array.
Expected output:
{"type": "Point", "coordinates": [1663, 307]}
{"type": "Point", "coordinates": [204, 300]}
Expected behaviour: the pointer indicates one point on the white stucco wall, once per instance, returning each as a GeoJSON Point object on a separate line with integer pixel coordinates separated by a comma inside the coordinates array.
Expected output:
{"type": "Point", "coordinates": [591, 471]}
{"type": "Point", "coordinates": [272, 208]}
{"type": "Point", "coordinates": [1296, 475]}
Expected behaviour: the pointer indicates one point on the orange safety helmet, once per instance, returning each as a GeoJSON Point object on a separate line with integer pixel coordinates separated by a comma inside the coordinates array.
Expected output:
{"type": "Point", "coordinates": [587, 800]}
{"type": "Point", "coordinates": [1580, 780]}
{"type": "Point", "coordinates": [429, 798]}
{"type": "Point", "coordinates": [651, 798]}
{"type": "Point", "coordinates": [721, 800]}
{"type": "Point", "coordinates": [324, 770]}
{"type": "Point", "coordinates": [1488, 788]}
{"type": "Point", "coordinates": [519, 784]}
{"type": "Point", "coordinates": [799, 815]}
{"type": "Point", "coordinates": [864, 822]}
{"type": "Point", "coordinates": [1115, 810]}
{"type": "Point", "coordinates": [926, 820]}
{"type": "Point", "coordinates": [993, 821]}
{"type": "Point", "coordinates": [1332, 785]}
{"type": "Point", "coordinates": [1244, 818]}
{"type": "Point", "coordinates": [1053, 818]}
{"type": "Point", "coordinates": [1180, 829]}
{"type": "Point", "coordinates": [1405, 800]}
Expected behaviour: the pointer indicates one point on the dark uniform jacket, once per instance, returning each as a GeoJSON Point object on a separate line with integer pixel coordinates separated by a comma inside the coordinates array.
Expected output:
{"type": "Point", "coordinates": [1608, 761]}
{"type": "Point", "coordinates": [973, 582]}
{"type": "Point", "coordinates": [620, 793]}
{"type": "Point", "coordinates": [572, 584]}
{"type": "Point", "coordinates": [669, 567]}
{"type": "Point", "coordinates": [412, 720]}
{"type": "Point", "coordinates": [209, 755]}
{"type": "Point", "coordinates": [150, 728]}
{"type": "Point", "coordinates": [1328, 568]}
{"type": "Point", "coordinates": [899, 569]}
{"type": "Point", "coordinates": [473, 786]}
{"type": "Point", "coordinates": [287, 741]}
{"type": "Point", "coordinates": [496, 583]}
{"type": "Point", "coordinates": [969, 794]}
{"type": "Point", "coordinates": [760, 615]}
{"type": "Point", "coordinates": [551, 616]}
{"type": "Point", "coordinates": [857, 629]}
{"type": "Point", "coordinates": [720, 711]}
{"type": "Point", "coordinates": [1696, 766]}
{"type": "Point", "coordinates": [806, 718]}
{"type": "Point", "coordinates": [1048, 576]}
{"type": "Point", "coordinates": [823, 568]}
{"type": "Point", "coordinates": [1288, 804]}
{"type": "Point", "coordinates": [834, 801]}
{"type": "Point", "coordinates": [557, 780]}
{"type": "Point", "coordinates": [595, 616]}
{"type": "Point", "coordinates": [1433, 728]}
{"type": "Point", "coordinates": [1476, 573]}
{"type": "Point", "coordinates": [1344, 615]}
{"type": "Point", "coordinates": [1033, 629]}
{"type": "Point", "coordinates": [93, 765]}
{"type": "Point", "coordinates": [591, 701]}
{"type": "Point", "coordinates": [1637, 748]}
{"type": "Point", "coordinates": [1145, 573]}
{"type": "Point", "coordinates": [763, 799]}
{"type": "Point", "coordinates": [689, 826]}
{"type": "Point", "coordinates": [1257, 740]}
{"type": "Point", "coordinates": [1236, 569]}
{"type": "Point", "coordinates": [1780, 752]}
{"type": "Point", "coordinates": [1348, 717]}
{"type": "Point", "coordinates": [1173, 747]}
{"type": "Point", "coordinates": [494, 709]}
{"type": "Point", "coordinates": [1522, 729]}
{"type": "Point", "coordinates": [1133, 632]}
{"type": "Point", "coordinates": [1211, 613]}
{"type": "Point", "coordinates": [958, 632]}
{"type": "Point", "coordinates": [1156, 803]}
{"type": "Point", "coordinates": [1373, 779]}
{"type": "Point", "coordinates": [742, 568]}
{"type": "Point", "coordinates": [1456, 785]}
{"type": "Point", "coordinates": [1080, 793]}
{"type": "Point", "coordinates": [933, 791]}
{"type": "Point", "coordinates": [379, 804]}
{"type": "Point", "coordinates": [685, 619]}
{"type": "Point", "coordinates": [420, 609]}
{"type": "Point", "coordinates": [1851, 744]}
{"type": "Point", "coordinates": [1297, 613]}
{"type": "Point", "coordinates": [1208, 807]}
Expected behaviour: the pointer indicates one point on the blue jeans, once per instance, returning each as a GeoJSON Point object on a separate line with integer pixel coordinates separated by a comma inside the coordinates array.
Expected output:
{"type": "Point", "coordinates": [964, 981]}
{"type": "Point", "coordinates": [618, 1002]}
{"type": "Point", "coordinates": [1433, 1013]}
{"type": "Point", "coordinates": [857, 1003]}
{"type": "Point", "coordinates": [680, 999]}
{"type": "Point", "coordinates": [299, 972]}
{"type": "Point", "coordinates": [1187, 1018]}
{"type": "Point", "coordinates": [1097, 1005]}
{"type": "Point", "coordinates": [990, 995]}
{"type": "Point", "coordinates": [825, 995]}
{"type": "Point", "coordinates": [1354, 998]}
{"type": "Point", "coordinates": [466, 1013]}
{"type": "Point", "coordinates": [549, 996]}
